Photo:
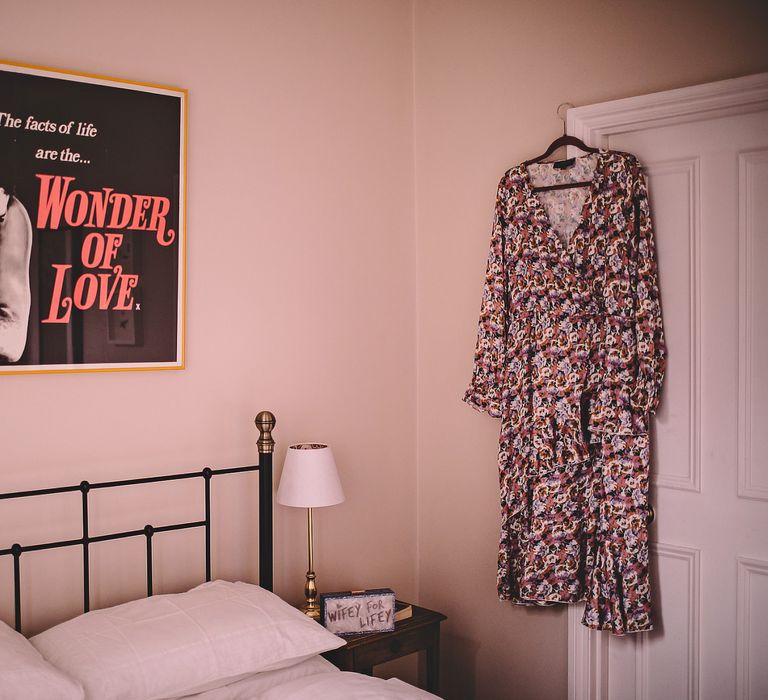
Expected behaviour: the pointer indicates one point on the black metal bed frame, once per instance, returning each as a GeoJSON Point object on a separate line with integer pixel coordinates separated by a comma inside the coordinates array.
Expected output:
{"type": "Point", "coordinates": [265, 421]}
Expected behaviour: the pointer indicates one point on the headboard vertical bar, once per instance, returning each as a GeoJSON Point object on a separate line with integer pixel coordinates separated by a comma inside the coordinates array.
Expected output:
{"type": "Point", "coordinates": [85, 487]}
{"type": "Point", "coordinates": [265, 522]}
{"type": "Point", "coordinates": [207, 478]}
{"type": "Point", "coordinates": [16, 551]}
{"type": "Point", "coordinates": [265, 421]}
{"type": "Point", "coordinates": [148, 532]}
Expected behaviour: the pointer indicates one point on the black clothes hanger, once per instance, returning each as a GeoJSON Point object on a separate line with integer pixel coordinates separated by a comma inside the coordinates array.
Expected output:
{"type": "Point", "coordinates": [564, 140]}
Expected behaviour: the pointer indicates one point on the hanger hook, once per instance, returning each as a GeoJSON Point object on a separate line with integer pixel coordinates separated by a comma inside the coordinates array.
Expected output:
{"type": "Point", "coordinates": [562, 117]}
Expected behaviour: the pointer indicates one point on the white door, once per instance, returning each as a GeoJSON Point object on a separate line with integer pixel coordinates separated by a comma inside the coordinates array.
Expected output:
{"type": "Point", "coordinates": [705, 150]}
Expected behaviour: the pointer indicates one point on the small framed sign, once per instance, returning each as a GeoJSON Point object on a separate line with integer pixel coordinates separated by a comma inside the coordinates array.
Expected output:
{"type": "Point", "coordinates": [358, 612]}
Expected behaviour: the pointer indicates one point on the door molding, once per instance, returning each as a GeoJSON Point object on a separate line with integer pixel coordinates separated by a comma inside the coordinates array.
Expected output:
{"type": "Point", "coordinates": [594, 124]}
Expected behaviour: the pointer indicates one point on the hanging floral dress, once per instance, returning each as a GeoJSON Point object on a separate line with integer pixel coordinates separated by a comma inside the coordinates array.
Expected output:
{"type": "Point", "coordinates": [570, 355]}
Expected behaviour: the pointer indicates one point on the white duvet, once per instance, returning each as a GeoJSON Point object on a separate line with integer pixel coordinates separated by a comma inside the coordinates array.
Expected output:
{"type": "Point", "coordinates": [314, 679]}
{"type": "Point", "coordinates": [333, 686]}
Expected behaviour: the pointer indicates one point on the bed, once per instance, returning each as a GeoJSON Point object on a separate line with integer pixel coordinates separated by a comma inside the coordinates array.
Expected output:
{"type": "Point", "coordinates": [221, 640]}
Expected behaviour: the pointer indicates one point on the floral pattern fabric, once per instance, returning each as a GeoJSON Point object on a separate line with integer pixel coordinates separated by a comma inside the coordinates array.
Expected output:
{"type": "Point", "coordinates": [570, 355]}
{"type": "Point", "coordinates": [563, 207]}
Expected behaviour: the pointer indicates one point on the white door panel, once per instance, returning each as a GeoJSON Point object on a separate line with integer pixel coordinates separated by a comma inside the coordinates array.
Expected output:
{"type": "Point", "coordinates": [708, 179]}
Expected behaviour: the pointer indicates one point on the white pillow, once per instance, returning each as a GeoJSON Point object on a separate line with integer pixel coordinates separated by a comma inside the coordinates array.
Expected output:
{"type": "Point", "coordinates": [26, 674]}
{"type": "Point", "coordinates": [171, 645]}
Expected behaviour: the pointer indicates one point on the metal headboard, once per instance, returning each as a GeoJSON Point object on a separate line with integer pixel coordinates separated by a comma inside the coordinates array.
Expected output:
{"type": "Point", "coordinates": [265, 421]}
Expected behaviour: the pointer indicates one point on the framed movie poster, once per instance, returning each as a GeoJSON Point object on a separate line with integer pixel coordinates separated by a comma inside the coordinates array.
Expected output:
{"type": "Point", "coordinates": [92, 226]}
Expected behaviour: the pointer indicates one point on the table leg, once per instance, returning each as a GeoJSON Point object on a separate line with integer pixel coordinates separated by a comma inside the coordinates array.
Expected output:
{"type": "Point", "coordinates": [433, 667]}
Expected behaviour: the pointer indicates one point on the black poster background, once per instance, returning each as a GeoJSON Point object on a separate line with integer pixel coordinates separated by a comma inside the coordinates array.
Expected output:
{"type": "Point", "coordinates": [137, 150]}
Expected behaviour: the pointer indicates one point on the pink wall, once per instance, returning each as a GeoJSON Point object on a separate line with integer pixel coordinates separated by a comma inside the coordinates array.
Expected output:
{"type": "Point", "coordinates": [488, 78]}
{"type": "Point", "coordinates": [301, 274]}
{"type": "Point", "coordinates": [303, 264]}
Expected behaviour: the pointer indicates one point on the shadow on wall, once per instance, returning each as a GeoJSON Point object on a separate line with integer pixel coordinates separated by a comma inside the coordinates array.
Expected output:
{"type": "Point", "coordinates": [458, 665]}
{"type": "Point", "coordinates": [521, 667]}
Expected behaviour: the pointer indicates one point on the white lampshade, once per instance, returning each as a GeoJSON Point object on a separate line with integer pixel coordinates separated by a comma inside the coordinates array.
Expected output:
{"type": "Point", "coordinates": [309, 478]}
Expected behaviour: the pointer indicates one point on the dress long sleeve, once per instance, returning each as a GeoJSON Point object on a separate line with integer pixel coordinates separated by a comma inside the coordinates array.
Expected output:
{"type": "Point", "coordinates": [485, 388]}
{"type": "Point", "coordinates": [651, 349]}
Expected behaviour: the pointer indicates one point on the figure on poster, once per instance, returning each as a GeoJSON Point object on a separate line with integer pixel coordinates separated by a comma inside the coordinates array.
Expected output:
{"type": "Point", "coordinates": [15, 295]}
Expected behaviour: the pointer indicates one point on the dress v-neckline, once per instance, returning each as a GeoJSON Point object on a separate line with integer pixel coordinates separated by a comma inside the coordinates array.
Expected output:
{"type": "Point", "coordinates": [565, 250]}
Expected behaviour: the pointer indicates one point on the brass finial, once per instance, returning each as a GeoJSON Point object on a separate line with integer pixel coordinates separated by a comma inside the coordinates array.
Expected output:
{"type": "Point", "coordinates": [265, 422]}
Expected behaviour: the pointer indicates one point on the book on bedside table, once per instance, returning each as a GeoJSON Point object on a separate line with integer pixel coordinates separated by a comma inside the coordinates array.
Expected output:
{"type": "Point", "coordinates": [403, 610]}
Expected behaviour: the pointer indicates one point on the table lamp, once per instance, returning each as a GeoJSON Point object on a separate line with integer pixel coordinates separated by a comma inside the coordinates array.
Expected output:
{"type": "Point", "coordinates": [310, 480]}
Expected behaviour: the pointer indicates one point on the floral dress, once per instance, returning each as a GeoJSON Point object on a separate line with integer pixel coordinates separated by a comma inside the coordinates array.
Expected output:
{"type": "Point", "coordinates": [570, 355]}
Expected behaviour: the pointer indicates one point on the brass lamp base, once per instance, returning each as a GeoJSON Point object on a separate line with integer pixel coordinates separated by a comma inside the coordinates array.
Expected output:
{"type": "Point", "coordinates": [311, 609]}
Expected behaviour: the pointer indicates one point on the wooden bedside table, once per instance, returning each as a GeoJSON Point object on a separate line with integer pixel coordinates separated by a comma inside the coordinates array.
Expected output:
{"type": "Point", "coordinates": [418, 633]}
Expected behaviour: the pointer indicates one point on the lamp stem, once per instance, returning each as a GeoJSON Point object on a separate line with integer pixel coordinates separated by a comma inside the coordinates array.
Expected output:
{"type": "Point", "coordinates": [311, 607]}
{"type": "Point", "coordinates": [311, 537]}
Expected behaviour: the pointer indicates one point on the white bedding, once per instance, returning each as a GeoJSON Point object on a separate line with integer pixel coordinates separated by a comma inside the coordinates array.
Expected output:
{"type": "Point", "coordinates": [333, 686]}
{"type": "Point", "coordinates": [255, 685]}
{"type": "Point", "coordinates": [219, 641]}
{"type": "Point", "coordinates": [314, 679]}
{"type": "Point", "coordinates": [182, 643]}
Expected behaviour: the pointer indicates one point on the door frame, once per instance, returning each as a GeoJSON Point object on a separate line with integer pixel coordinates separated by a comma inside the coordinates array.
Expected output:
{"type": "Point", "coordinates": [594, 124]}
